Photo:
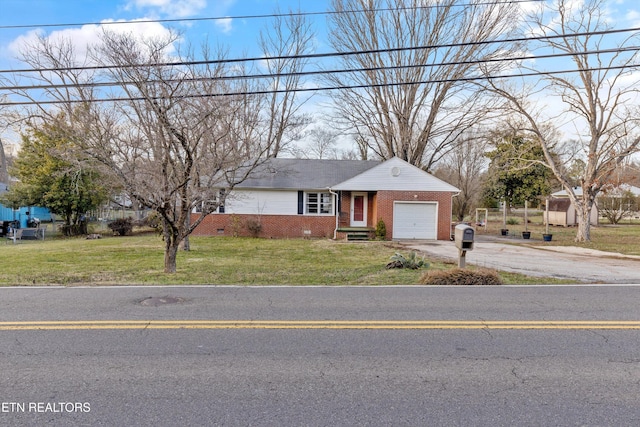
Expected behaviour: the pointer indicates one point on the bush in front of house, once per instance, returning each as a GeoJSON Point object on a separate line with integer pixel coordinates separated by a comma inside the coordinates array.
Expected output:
{"type": "Point", "coordinates": [462, 277]}
{"type": "Point", "coordinates": [411, 261]}
{"type": "Point", "coordinates": [254, 226]}
{"type": "Point", "coordinates": [121, 226]}
{"type": "Point", "coordinates": [381, 230]}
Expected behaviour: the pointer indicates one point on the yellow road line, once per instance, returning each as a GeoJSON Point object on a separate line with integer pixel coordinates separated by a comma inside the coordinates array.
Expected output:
{"type": "Point", "coordinates": [319, 324]}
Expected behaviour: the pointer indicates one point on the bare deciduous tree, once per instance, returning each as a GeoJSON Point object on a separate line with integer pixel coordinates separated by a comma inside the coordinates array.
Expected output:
{"type": "Point", "coordinates": [285, 45]}
{"type": "Point", "coordinates": [175, 143]}
{"type": "Point", "coordinates": [176, 132]}
{"type": "Point", "coordinates": [405, 95]}
{"type": "Point", "coordinates": [322, 143]}
{"type": "Point", "coordinates": [617, 204]}
{"type": "Point", "coordinates": [465, 167]}
{"type": "Point", "coordinates": [599, 99]}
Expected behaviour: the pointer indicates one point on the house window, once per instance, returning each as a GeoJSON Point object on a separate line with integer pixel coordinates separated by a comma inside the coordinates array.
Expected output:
{"type": "Point", "coordinates": [319, 204]}
{"type": "Point", "coordinates": [217, 203]}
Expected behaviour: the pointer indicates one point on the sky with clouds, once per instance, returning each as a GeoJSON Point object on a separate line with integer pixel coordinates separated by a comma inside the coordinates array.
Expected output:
{"type": "Point", "coordinates": [236, 27]}
{"type": "Point", "coordinates": [239, 34]}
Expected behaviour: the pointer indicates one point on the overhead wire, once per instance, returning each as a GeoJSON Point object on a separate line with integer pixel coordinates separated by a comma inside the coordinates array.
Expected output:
{"type": "Point", "coordinates": [317, 72]}
{"type": "Point", "coordinates": [326, 54]}
{"type": "Point", "coordinates": [256, 16]}
{"type": "Point", "coordinates": [315, 89]}
{"type": "Point", "coordinates": [318, 56]}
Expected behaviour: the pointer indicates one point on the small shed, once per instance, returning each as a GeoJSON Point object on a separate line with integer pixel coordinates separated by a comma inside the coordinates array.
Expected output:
{"type": "Point", "coordinates": [562, 212]}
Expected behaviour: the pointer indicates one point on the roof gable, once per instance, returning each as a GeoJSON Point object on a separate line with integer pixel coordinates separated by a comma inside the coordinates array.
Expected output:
{"type": "Point", "coordinates": [395, 174]}
{"type": "Point", "coordinates": [563, 193]}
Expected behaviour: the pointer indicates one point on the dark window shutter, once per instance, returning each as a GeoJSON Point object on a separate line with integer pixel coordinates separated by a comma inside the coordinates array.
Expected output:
{"type": "Point", "coordinates": [300, 202]}
{"type": "Point", "coordinates": [221, 196]}
{"type": "Point", "coordinates": [339, 202]}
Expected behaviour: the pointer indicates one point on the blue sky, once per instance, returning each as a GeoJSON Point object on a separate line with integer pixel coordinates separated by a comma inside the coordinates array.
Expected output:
{"type": "Point", "coordinates": [239, 35]}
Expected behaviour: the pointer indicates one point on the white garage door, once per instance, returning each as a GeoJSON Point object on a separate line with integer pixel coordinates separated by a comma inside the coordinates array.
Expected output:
{"type": "Point", "coordinates": [415, 220]}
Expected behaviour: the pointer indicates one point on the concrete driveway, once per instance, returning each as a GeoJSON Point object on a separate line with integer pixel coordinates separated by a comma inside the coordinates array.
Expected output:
{"type": "Point", "coordinates": [563, 262]}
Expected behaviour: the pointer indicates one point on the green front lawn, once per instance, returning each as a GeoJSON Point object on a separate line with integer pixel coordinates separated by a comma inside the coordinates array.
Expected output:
{"type": "Point", "coordinates": [138, 259]}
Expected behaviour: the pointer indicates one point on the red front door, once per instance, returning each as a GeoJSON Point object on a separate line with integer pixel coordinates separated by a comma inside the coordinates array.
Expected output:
{"type": "Point", "coordinates": [359, 210]}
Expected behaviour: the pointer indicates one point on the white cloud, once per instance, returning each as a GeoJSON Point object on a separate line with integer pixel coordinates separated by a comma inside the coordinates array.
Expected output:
{"type": "Point", "coordinates": [80, 38]}
{"type": "Point", "coordinates": [88, 35]}
{"type": "Point", "coordinates": [224, 25]}
{"type": "Point", "coordinates": [633, 16]}
{"type": "Point", "coordinates": [171, 8]}
{"type": "Point", "coordinates": [137, 26]}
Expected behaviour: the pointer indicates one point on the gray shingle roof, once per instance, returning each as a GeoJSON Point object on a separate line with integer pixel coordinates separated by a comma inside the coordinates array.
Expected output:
{"type": "Point", "coordinates": [305, 174]}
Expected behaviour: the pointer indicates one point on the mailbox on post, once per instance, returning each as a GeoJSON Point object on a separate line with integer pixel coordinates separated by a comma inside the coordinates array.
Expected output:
{"type": "Point", "coordinates": [464, 236]}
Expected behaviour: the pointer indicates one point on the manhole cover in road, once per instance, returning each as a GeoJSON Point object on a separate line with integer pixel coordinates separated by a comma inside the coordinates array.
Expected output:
{"type": "Point", "coordinates": [157, 301]}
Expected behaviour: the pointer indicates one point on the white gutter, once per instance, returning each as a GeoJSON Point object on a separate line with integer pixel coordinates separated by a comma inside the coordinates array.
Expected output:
{"type": "Point", "coordinates": [335, 231]}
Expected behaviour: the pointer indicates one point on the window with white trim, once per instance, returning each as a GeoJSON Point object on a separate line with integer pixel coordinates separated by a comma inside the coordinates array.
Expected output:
{"type": "Point", "coordinates": [319, 204]}
{"type": "Point", "coordinates": [217, 203]}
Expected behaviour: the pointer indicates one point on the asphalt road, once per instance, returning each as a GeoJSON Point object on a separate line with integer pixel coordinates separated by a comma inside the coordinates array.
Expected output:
{"type": "Point", "coordinates": [130, 362]}
{"type": "Point", "coordinates": [563, 262]}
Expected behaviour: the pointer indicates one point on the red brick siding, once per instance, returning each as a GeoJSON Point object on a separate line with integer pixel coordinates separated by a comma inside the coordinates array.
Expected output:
{"type": "Point", "coordinates": [345, 208]}
{"type": "Point", "coordinates": [273, 226]}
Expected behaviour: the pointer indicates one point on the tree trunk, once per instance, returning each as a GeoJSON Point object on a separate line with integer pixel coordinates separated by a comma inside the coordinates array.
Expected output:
{"type": "Point", "coordinates": [4, 173]}
{"type": "Point", "coordinates": [170, 255]}
{"type": "Point", "coordinates": [186, 245]}
{"type": "Point", "coordinates": [171, 245]}
{"type": "Point", "coordinates": [584, 221]}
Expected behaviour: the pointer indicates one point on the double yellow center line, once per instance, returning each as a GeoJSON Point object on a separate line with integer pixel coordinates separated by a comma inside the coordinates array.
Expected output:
{"type": "Point", "coordinates": [319, 324]}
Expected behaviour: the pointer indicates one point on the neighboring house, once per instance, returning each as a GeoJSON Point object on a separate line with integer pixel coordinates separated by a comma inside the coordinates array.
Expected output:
{"type": "Point", "coordinates": [620, 190]}
{"type": "Point", "coordinates": [562, 212]}
{"type": "Point", "coordinates": [336, 199]}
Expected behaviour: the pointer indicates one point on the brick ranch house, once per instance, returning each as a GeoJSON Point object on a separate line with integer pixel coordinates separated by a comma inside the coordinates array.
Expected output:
{"type": "Point", "coordinates": [292, 198]}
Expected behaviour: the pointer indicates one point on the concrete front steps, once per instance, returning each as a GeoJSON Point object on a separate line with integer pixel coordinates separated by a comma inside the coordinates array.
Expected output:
{"type": "Point", "coordinates": [356, 233]}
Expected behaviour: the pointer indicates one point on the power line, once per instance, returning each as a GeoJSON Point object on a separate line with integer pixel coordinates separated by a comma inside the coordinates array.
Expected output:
{"type": "Point", "coordinates": [265, 16]}
{"type": "Point", "coordinates": [314, 73]}
{"type": "Point", "coordinates": [318, 89]}
{"type": "Point", "coordinates": [327, 54]}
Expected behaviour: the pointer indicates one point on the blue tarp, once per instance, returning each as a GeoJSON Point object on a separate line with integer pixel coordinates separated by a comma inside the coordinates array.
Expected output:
{"type": "Point", "coordinates": [24, 214]}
